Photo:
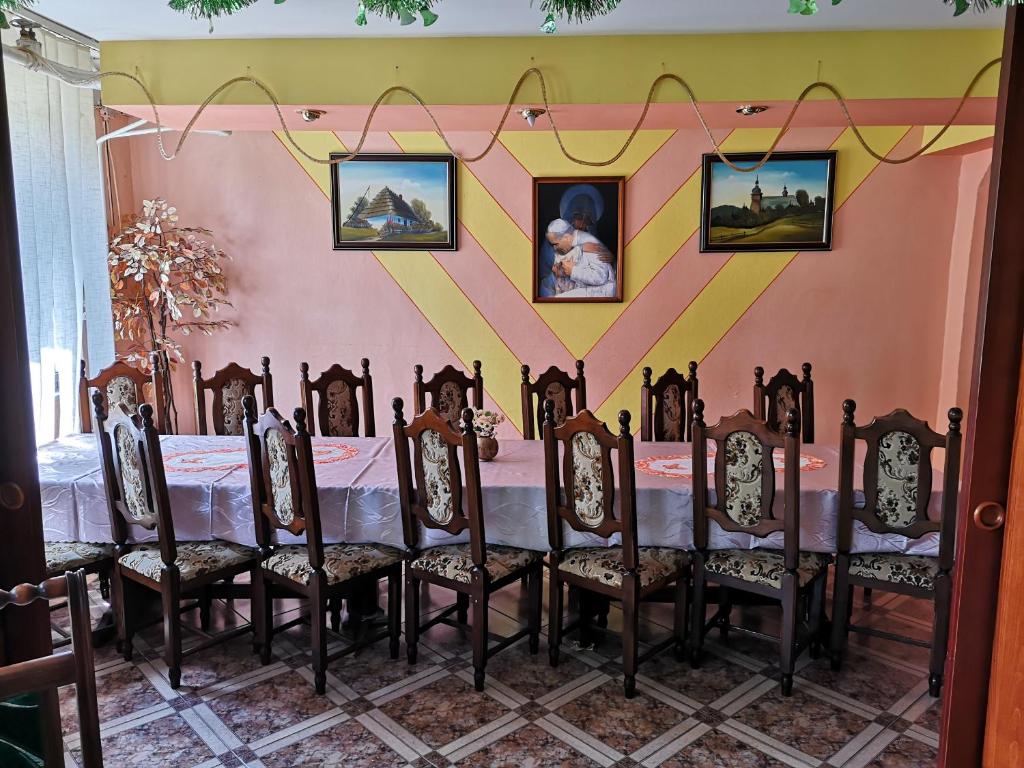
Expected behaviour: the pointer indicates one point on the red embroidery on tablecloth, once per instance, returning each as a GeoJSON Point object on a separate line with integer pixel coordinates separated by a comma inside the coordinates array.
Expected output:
{"type": "Point", "coordinates": [223, 459]}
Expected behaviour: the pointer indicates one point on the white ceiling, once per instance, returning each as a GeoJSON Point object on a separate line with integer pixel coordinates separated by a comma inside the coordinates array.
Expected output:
{"type": "Point", "coordinates": [153, 20]}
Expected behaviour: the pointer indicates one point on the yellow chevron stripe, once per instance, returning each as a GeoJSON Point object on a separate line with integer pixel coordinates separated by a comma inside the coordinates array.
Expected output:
{"type": "Point", "coordinates": [955, 136]}
{"type": "Point", "coordinates": [735, 288]}
{"type": "Point", "coordinates": [539, 154]}
{"type": "Point", "coordinates": [440, 300]}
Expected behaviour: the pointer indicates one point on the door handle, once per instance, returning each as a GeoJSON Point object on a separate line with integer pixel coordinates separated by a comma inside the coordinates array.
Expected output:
{"type": "Point", "coordinates": [12, 497]}
{"type": "Point", "coordinates": [989, 516]}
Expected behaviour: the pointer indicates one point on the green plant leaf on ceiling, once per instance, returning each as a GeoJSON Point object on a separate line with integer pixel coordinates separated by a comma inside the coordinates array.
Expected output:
{"type": "Point", "coordinates": [7, 6]}
{"type": "Point", "coordinates": [810, 7]}
{"type": "Point", "coordinates": [208, 9]}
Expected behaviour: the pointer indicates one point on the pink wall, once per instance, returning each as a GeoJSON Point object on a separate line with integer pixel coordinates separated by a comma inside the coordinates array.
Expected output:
{"type": "Point", "coordinates": [879, 316]}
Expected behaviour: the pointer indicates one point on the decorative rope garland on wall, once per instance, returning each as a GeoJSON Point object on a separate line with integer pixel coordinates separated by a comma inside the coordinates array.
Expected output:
{"type": "Point", "coordinates": [535, 72]}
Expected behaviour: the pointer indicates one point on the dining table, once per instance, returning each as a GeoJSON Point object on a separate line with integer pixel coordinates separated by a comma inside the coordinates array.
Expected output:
{"type": "Point", "coordinates": [357, 485]}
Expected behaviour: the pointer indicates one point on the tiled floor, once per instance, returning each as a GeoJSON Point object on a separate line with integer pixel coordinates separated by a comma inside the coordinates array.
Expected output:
{"type": "Point", "coordinates": [230, 711]}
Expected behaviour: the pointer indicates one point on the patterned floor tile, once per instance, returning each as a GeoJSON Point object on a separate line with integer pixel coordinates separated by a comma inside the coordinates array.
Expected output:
{"type": "Point", "coordinates": [623, 724]}
{"type": "Point", "coordinates": [373, 668]}
{"type": "Point", "coordinates": [221, 662]}
{"type": "Point", "coordinates": [905, 752]}
{"type": "Point", "coordinates": [811, 725]}
{"type": "Point", "coordinates": [863, 679]}
{"type": "Point", "coordinates": [168, 741]}
{"type": "Point", "coordinates": [347, 744]}
{"type": "Point", "coordinates": [443, 711]}
{"type": "Point", "coordinates": [118, 693]}
{"type": "Point", "coordinates": [931, 718]}
{"type": "Point", "coordinates": [528, 747]}
{"type": "Point", "coordinates": [533, 676]}
{"type": "Point", "coordinates": [715, 677]}
{"type": "Point", "coordinates": [269, 706]}
{"type": "Point", "coordinates": [719, 750]}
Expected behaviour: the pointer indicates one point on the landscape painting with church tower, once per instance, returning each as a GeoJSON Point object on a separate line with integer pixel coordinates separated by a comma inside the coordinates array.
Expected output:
{"type": "Point", "coordinates": [785, 205]}
{"type": "Point", "coordinates": [389, 202]}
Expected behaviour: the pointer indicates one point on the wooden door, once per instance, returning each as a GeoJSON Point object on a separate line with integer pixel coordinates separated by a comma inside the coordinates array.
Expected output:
{"type": "Point", "coordinates": [24, 632]}
{"type": "Point", "coordinates": [990, 429]}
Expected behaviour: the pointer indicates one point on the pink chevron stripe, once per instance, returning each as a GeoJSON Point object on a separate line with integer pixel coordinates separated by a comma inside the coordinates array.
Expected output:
{"type": "Point", "coordinates": [503, 176]}
{"type": "Point", "coordinates": [667, 296]}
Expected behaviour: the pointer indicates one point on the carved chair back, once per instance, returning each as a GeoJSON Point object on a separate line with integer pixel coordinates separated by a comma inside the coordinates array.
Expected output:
{"type": "Point", "coordinates": [745, 478]}
{"type": "Point", "coordinates": [897, 478]}
{"type": "Point", "coordinates": [133, 474]}
{"type": "Point", "coordinates": [449, 391]}
{"type": "Point", "coordinates": [336, 391]}
{"type": "Point", "coordinates": [118, 383]}
{"type": "Point", "coordinates": [555, 385]}
{"type": "Point", "coordinates": [430, 478]}
{"type": "Point", "coordinates": [666, 406]}
{"type": "Point", "coordinates": [581, 492]}
{"type": "Point", "coordinates": [772, 401]}
{"type": "Point", "coordinates": [229, 386]}
{"type": "Point", "coordinates": [64, 667]}
{"type": "Point", "coordinates": [282, 478]}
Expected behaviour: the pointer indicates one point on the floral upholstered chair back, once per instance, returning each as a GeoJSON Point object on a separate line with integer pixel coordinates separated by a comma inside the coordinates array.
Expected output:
{"type": "Point", "coordinates": [747, 455]}
{"type": "Point", "coordinates": [434, 490]}
{"type": "Point", "coordinates": [557, 386]}
{"type": "Point", "coordinates": [133, 472]}
{"type": "Point", "coordinates": [119, 384]}
{"type": "Point", "coordinates": [666, 406]}
{"type": "Point", "coordinates": [449, 392]}
{"type": "Point", "coordinates": [582, 459]}
{"type": "Point", "coordinates": [229, 386]}
{"type": "Point", "coordinates": [897, 481]}
{"type": "Point", "coordinates": [785, 392]}
{"type": "Point", "coordinates": [336, 399]}
{"type": "Point", "coordinates": [280, 472]}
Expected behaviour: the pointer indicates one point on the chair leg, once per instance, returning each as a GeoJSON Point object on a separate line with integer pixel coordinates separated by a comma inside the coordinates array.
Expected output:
{"type": "Point", "coordinates": [205, 603]}
{"type": "Point", "coordinates": [630, 631]}
{"type": "Point", "coordinates": [725, 612]}
{"type": "Point", "coordinates": [867, 596]}
{"type": "Point", "coordinates": [535, 586]}
{"type": "Point", "coordinates": [681, 615]}
{"type": "Point", "coordinates": [840, 611]}
{"type": "Point", "coordinates": [170, 594]}
{"type": "Point", "coordinates": [117, 607]}
{"type": "Point", "coordinates": [412, 615]}
{"type": "Point", "coordinates": [817, 622]}
{"type": "Point", "coordinates": [698, 613]}
{"type": "Point", "coordinates": [462, 608]}
{"type": "Point", "coordinates": [335, 611]}
{"type": "Point", "coordinates": [554, 615]}
{"type": "Point", "coordinates": [940, 633]}
{"type": "Point", "coordinates": [104, 576]}
{"type": "Point", "coordinates": [394, 612]}
{"type": "Point", "coordinates": [262, 615]}
{"type": "Point", "coordinates": [787, 641]}
{"type": "Point", "coordinates": [479, 632]}
{"type": "Point", "coordinates": [318, 625]}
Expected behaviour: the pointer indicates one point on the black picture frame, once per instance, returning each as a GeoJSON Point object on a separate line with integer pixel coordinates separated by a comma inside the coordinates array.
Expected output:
{"type": "Point", "coordinates": [422, 242]}
{"type": "Point", "coordinates": [712, 244]}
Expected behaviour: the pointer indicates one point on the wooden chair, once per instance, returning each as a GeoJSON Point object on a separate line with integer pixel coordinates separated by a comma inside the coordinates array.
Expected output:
{"type": "Point", "coordinates": [897, 486]}
{"type": "Point", "coordinates": [583, 495]}
{"type": "Point", "coordinates": [745, 492]}
{"type": "Point", "coordinates": [44, 674]}
{"type": "Point", "coordinates": [229, 386]}
{"type": "Point", "coordinates": [338, 410]}
{"type": "Point", "coordinates": [555, 385]}
{"type": "Point", "coordinates": [666, 406]}
{"type": "Point", "coordinates": [430, 483]}
{"type": "Point", "coordinates": [85, 556]}
{"type": "Point", "coordinates": [449, 391]}
{"type": "Point", "coordinates": [772, 401]}
{"type": "Point", "coordinates": [136, 488]}
{"type": "Point", "coordinates": [284, 497]}
{"type": "Point", "coordinates": [118, 383]}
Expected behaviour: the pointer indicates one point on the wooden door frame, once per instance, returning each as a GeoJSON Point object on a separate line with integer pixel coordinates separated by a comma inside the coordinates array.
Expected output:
{"type": "Point", "coordinates": [990, 423]}
{"type": "Point", "coordinates": [24, 632]}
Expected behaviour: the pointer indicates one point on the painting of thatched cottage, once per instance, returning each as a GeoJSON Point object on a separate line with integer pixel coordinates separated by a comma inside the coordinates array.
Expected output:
{"type": "Point", "coordinates": [394, 202]}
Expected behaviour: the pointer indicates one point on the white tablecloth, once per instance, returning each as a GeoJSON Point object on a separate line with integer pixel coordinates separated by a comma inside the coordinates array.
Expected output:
{"type": "Point", "coordinates": [358, 490]}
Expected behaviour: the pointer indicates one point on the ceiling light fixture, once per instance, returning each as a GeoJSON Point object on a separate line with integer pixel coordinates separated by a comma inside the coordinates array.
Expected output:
{"type": "Point", "coordinates": [311, 115]}
{"type": "Point", "coordinates": [751, 109]}
{"type": "Point", "coordinates": [530, 114]}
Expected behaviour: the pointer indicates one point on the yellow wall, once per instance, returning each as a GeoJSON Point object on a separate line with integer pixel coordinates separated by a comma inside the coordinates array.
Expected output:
{"type": "Point", "coordinates": [581, 70]}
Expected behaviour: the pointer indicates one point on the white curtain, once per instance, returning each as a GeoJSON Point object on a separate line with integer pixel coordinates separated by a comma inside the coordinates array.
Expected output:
{"type": "Point", "coordinates": [62, 232]}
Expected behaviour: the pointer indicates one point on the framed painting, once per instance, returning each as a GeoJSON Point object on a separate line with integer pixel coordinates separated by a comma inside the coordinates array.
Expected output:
{"type": "Point", "coordinates": [393, 202]}
{"type": "Point", "coordinates": [577, 226]}
{"type": "Point", "coordinates": [786, 205]}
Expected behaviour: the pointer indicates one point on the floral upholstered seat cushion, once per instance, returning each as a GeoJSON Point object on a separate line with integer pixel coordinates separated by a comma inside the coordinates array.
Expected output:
{"type": "Point", "coordinates": [604, 564]}
{"type": "Point", "coordinates": [195, 558]}
{"type": "Point", "coordinates": [456, 563]}
{"type": "Point", "coordinates": [915, 570]}
{"type": "Point", "coordinates": [341, 561]}
{"type": "Point", "coordinates": [764, 566]}
{"type": "Point", "coordinates": [64, 556]}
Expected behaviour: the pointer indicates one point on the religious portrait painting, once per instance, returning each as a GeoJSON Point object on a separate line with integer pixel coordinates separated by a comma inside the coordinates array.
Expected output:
{"type": "Point", "coordinates": [578, 240]}
{"type": "Point", "coordinates": [393, 202]}
{"type": "Point", "coordinates": [785, 205]}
